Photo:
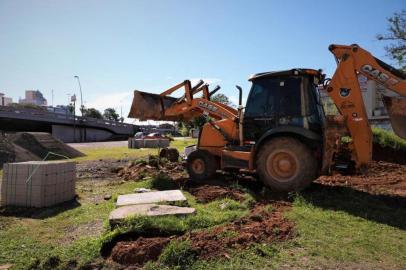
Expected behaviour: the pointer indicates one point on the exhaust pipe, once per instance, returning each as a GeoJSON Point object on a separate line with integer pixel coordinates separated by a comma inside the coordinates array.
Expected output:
{"type": "Point", "coordinates": [240, 116]}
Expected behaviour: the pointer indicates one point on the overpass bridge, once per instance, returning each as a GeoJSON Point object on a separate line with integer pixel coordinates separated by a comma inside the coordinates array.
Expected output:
{"type": "Point", "coordinates": [65, 127]}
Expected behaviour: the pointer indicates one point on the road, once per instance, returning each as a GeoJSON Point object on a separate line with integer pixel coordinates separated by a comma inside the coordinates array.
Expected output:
{"type": "Point", "coordinates": [98, 144]}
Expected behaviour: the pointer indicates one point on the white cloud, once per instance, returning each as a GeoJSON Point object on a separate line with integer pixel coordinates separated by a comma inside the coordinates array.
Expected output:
{"type": "Point", "coordinates": [117, 100]}
{"type": "Point", "coordinates": [113, 100]}
{"type": "Point", "coordinates": [210, 81]}
{"type": "Point", "coordinates": [234, 99]}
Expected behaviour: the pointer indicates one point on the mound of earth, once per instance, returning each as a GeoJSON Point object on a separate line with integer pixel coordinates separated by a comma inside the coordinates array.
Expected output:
{"type": "Point", "coordinates": [28, 146]}
{"type": "Point", "coordinates": [151, 167]}
{"type": "Point", "coordinates": [262, 225]}
{"type": "Point", "coordinates": [139, 251]}
{"type": "Point", "coordinates": [381, 178]}
{"type": "Point", "coordinates": [208, 193]}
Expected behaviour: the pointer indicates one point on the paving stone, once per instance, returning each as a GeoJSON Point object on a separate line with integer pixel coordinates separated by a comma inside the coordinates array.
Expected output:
{"type": "Point", "coordinates": [151, 197]}
{"type": "Point", "coordinates": [37, 183]}
{"type": "Point", "coordinates": [148, 210]}
{"type": "Point", "coordinates": [6, 266]}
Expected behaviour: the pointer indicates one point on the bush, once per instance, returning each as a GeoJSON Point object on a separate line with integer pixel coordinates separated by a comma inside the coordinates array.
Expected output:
{"type": "Point", "coordinates": [179, 254]}
{"type": "Point", "coordinates": [388, 139]}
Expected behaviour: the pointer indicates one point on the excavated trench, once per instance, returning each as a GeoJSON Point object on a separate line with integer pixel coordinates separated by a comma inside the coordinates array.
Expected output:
{"type": "Point", "coordinates": [263, 225]}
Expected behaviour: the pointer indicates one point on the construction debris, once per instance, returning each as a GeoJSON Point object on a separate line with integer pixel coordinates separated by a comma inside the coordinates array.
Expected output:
{"type": "Point", "coordinates": [151, 167]}
{"type": "Point", "coordinates": [150, 197]}
{"type": "Point", "coordinates": [124, 212]}
{"type": "Point", "coordinates": [134, 143]}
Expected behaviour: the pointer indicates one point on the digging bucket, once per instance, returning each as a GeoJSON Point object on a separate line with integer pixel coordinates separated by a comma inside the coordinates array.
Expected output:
{"type": "Point", "coordinates": [147, 106]}
{"type": "Point", "coordinates": [396, 107]}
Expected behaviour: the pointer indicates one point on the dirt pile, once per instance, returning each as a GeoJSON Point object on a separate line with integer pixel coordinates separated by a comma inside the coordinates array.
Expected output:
{"type": "Point", "coordinates": [208, 193]}
{"type": "Point", "coordinates": [263, 225]}
{"type": "Point", "coordinates": [28, 146]}
{"type": "Point", "coordinates": [139, 251]}
{"type": "Point", "coordinates": [151, 167]}
{"type": "Point", "coordinates": [381, 178]}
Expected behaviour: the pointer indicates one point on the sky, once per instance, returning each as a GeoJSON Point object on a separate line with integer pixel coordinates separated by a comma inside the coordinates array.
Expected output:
{"type": "Point", "coordinates": [118, 46]}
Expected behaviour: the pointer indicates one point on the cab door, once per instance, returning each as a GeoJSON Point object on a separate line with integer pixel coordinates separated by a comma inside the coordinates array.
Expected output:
{"type": "Point", "coordinates": [261, 112]}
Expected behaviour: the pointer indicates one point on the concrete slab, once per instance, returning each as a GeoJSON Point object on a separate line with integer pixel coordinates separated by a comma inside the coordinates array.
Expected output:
{"type": "Point", "coordinates": [150, 197]}
{"type": "Point", "coordinates": [151, 210]}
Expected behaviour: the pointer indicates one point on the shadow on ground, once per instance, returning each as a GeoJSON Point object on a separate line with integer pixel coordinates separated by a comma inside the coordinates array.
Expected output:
{"type": "Point", "coordinates": [38, 213]}
{"type": "Point", "coordinates": [384, 209]}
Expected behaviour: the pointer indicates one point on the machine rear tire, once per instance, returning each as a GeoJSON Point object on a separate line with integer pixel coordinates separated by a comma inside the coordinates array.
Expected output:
{"type": "Point", "coordinates": [201, 165]}
{"type": "Point", "coordinates": [286, 164]}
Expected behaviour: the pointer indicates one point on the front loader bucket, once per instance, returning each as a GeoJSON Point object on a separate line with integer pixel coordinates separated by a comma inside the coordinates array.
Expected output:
{"type": "Point", "coordinates": [396, 107]}
{"type": "Point", "coordinates": [147, 106]}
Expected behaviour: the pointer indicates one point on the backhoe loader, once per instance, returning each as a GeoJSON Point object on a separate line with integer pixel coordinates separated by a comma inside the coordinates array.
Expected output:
{"type": "Point", "coordinates": [282, 134]}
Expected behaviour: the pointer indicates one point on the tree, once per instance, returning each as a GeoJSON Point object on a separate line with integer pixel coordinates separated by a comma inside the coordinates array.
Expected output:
{"type": "Point", "coordinates": [70, 108]}
{"type": "Point", "coordinates": [397, 36]}
{"type": "Point", "coordinates": [92, 112]}
{"type": "Point", "coordinates": [222, 99]}
{"type": "Point", "coordinates": [111, 114]}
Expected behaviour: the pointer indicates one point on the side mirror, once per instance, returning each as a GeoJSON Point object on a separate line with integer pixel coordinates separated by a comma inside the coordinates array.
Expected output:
{"type": "Point", "coordinates": [240, 95]}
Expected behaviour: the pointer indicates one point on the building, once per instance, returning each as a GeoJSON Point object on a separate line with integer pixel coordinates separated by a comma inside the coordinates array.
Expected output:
{"type": "Point", "coordinates": [5, 101]}
{"type": "Point", "coordinates": [372, 96]}
{"type": "Point", "coordinates": [33, 97]}
{"type": "Point", "coordinates": [60, 109]}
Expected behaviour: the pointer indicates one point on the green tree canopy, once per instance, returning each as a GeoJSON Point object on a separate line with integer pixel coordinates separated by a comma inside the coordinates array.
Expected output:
{"type": "Point", "coordinates": [397, 37]}
{"type": "Point", "coordinates": [222, 99]}
{"type": "Point", "coordinates": [111, 114]}
{"type": "Point", "coordinates": [92, 112]}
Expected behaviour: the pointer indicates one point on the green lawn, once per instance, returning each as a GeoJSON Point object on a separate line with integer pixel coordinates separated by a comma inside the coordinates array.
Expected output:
{"type": "Point", "coordinates": [336, 227]}
{"type": "Point", "coordinates": [124, 152]}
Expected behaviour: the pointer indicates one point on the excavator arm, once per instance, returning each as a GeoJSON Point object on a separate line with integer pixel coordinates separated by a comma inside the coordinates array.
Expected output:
{"type": "Point", "coordinates": [345, 91]}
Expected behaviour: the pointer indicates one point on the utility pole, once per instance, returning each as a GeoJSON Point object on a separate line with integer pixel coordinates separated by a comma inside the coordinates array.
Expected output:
{"type": "Point", "coordinates": [73, 99]}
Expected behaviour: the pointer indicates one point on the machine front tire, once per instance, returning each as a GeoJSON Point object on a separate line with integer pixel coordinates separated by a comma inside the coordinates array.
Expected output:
{"type": "Point", "coordinates": [285, 164]}
{"type": "Point", "coordinates": [201, 165]}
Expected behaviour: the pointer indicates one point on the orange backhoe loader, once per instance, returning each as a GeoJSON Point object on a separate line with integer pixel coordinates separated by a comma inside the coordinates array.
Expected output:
{"type": "Point", "coordinates": [282, 134]}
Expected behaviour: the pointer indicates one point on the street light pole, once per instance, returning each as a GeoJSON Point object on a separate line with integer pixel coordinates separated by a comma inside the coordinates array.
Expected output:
{"type": "Point", "coordinates": [81, 97]}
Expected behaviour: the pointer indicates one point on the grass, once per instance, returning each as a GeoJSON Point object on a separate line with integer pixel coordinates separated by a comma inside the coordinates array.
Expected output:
{"type": "Point", "coordinates": [124, 152]}
{"type": "Point", "coordinates": [336, 227]}
{"type": "Point", "coordinates": [70, 230]}
{"type": "Point", "coordinates": [328, 236]}
{"type": "Point", "coordinates": [67, 231]}
{"type": "Point", "coordinates": [207, 215]}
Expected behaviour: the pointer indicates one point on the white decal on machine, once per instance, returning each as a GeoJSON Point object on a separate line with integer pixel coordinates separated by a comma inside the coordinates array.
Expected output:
{"type": "Point", "coordinates": [382, 77]}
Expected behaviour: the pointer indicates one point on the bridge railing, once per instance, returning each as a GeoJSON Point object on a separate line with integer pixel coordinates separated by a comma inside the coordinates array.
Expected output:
{"type": "Point", "coordinates": [46, 115]}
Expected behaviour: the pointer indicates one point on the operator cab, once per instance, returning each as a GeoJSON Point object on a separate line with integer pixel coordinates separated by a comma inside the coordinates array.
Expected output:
{"type": "Point", "coordinates": [281, 100]}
